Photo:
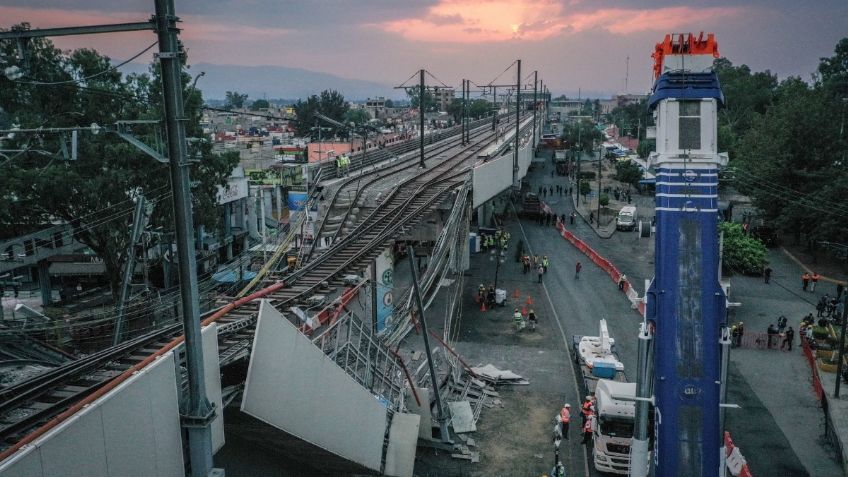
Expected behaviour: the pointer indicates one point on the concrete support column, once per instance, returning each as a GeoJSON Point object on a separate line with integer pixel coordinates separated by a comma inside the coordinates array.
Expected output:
{"type": "Point", "coordinates": [44, 282]}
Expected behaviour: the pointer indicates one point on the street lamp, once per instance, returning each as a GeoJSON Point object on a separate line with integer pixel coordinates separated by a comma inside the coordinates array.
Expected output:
{"type": "Point", "coordinates": [497, 255]}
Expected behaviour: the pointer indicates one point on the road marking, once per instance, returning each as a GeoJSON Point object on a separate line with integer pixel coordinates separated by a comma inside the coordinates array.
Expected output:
{"type": "Point", "coordinates": [564, 339]}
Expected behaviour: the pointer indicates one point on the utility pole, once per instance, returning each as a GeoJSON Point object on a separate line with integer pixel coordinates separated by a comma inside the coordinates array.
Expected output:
{"type": "Point", "coordinates": [599, 186]}
{"type": "Point", "coordinates": [535, 107]}
{"type": "Point", "coordinates": [495, 107]}
{"type": "Point", "coordinates": [198, 415]}
{"type": "Point", "coordinates": [128, 269]}
{"type": "Point", "coordinates": [464, 108]}
{"type": "Point", "coordinates": [517, 123]}
{"type": "Point", "coordinates": [441, 417]}
{"type": "Point", "coordinates": [421, 91]}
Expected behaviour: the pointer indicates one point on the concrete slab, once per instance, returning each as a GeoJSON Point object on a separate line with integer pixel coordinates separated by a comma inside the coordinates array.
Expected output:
{"type": "Point", "coordinates": [403, 437]}
{"type": "Point", "coordinates": [462, 417]}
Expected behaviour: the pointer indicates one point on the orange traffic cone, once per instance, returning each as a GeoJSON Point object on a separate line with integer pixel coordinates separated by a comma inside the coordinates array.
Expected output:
{"type": "Point", "coordinates": [523, 310]}
{"type": "Point", "coordinates": [516, 294]}
{"type": "Point", "coordinates": [529, 300]}
{"type": "Point", "coordinates": [483, 306]}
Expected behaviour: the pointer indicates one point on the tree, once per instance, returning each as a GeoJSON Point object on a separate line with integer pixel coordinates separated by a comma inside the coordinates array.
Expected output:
{"type": "Point", "coordinates": [235, 100]}
{"type": "Point", "coordinates": [330, 103]}
{"type": "Point", "coordinates": [260, 104]}
{"type": "Point", "coordinates": [628, 172]}
{"type": "Point", "coordinates": [479, 108]}
{"type": "Point", "coordinates": [430, 104]}
{"type": "Point", "coordinates": [585, 188]}
{"type": "Point", "coordinates": [94, 193]}
{"type": "Point", "coordinates": [741, 252]}
{"type": "Point", "coordinates": [390, 103]}
{"type": "Point", "coordinates": [604, 200]}
{"type": "Point", "coordinates": [581, 135]}
{"type": "Point", "coordinates": [357, 116]}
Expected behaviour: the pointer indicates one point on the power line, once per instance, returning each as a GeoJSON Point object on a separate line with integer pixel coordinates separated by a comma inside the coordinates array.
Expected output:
{"type": "Point", "coordinates": [77, 81]}
{"type": "Point", "coordinates": [502, 72]}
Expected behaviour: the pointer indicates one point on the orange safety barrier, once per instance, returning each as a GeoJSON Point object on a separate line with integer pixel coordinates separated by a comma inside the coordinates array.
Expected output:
{"type": "Point", "coordinates": [818, 390]}
{"type": "Point", "coordinates": [729, 446]}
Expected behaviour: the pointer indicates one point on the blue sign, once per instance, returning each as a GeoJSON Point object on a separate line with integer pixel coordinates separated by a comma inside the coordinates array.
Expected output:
{"type": "Point", "coordinates": [296, 200]}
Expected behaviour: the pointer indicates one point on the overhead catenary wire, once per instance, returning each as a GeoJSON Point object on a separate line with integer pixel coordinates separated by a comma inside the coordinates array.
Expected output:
{"type": "Point", "coordinates": [437, 79]}
{"type": "Point", "coordinates": [502, 72]}
{"type": "Point", "coordinates": [87, 78]}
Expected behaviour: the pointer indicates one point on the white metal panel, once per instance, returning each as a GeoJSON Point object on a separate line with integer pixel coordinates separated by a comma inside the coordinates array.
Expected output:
{"type": "Point", "coordinates": [403, 439]}
{"type": "Point", "coordinates": [165, 417]}
{"type": "Point", "coordinates": [24, 463]}
{"type": "Point", "coordinates": [132, 430]}
{"type": "Point", "coordinates": [75, 448]}
{"type": "Point", "coordinates": [129, 412]}
{"type": "Point", "coordinates": [491, 178]}
{"type": "Point", "coordinates": [212, 369]}
{"type": "Point", "coordinates": [293, 386]}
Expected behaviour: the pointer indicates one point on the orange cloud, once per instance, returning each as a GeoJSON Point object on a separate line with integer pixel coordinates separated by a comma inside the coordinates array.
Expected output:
{"type": "Point", "coordinates": [481, 21]}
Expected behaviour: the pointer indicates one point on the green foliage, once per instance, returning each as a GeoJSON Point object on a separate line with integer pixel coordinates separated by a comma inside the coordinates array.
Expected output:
{"type": "Point", "coordinates": [628, 172]}
{"type": "Point", "coordinates": [260, 104]}
{"type": "Point", "coordinates": [646, 147]}
{"type": "Point", "coordinates": [742, 253]}
{"type": "Point", "coordinates": [787, 145]}
{"type": "Point", "coordinates": [430, 104]}
{"type": "Point", "coordinates": [94, 192]}
{"type": "Point", "coordinates": [585, 188]}
{"type": "Point", "coordinates": [390, 103]}
{"type": "Point", "coordinates": [604, 200]}
{"type": "Point", "coordinates": [330, 103]}
{"type": "Point", "coordinates": [235, 100]}
{"type": "Point", "coordinates": [479, 108]}
{"type": "Point", "coordinates": [582, 135]}
{"type": "Point", "coordinates": [357, 116]}
{"type": "Point", "coordinates": [632, 119]}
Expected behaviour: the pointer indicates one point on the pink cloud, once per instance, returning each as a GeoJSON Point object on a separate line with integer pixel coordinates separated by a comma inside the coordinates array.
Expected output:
{"type": "Point", "coordinates": [195, 29]}
{"type": "Point", "coordinates": [481, 21]}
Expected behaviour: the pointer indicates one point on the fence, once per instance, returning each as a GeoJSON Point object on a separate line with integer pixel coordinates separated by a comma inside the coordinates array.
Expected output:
{"type": "Point", "coordinates": [735, 462]}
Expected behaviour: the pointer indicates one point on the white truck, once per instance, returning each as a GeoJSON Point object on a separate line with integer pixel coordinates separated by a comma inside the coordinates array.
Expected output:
{"type": "Point", "coordinates": [627, 219]}
{"type": "Point", "coordinates": [603, 375]}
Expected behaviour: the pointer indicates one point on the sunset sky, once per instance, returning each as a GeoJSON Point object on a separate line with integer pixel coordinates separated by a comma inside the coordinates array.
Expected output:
{"type": "Point", "coordinates": [573, 43]}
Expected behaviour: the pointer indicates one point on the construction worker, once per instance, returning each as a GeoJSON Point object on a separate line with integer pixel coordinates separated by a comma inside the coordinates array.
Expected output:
{"type": "Point", "coordinates": [805, 280]}
{"type": "Point", "coordinates": [588, 408]}
{"type": "Point", "coordinates": [588, 427]}
{"type": "Point", "coordinates": [813, 280]}
{"type": "Point", "coordinates": [565, 419]}
{"type": "Point", "coordinates": [531, 318]}
{"type": "Point", "coordinates": [518, 320]}
{"type": "Point", "coordinates": [622, 279]}
{"type": "Point", "coordinates": [481, 293]}
{"type": "Point", "coordinates": [545, 263]}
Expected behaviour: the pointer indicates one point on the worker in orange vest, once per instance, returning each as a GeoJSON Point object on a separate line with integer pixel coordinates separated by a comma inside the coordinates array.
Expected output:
{"type": "Point", "coordinates": [815, 279]}
{"type": "Point", "coordinates": [805, 280]}
{"type": "Point", "coordinates": [588, 427]}
{"type": "Point", "coordinates": [588, 408]}
{"type": "Point", "coordinates": [564, 419]}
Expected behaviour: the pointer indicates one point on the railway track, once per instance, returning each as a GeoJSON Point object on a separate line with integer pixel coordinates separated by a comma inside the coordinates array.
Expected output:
{"type": "Point", "coordinates": [30, 404]}
{"type": "Point", "coordinates": [35, 401]}
{"type": "Point", "coordinates": [347, 194]}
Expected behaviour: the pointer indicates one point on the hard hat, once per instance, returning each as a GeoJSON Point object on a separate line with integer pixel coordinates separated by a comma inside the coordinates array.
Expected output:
{"type": "Point", "coordinates": [567, 405]}
{"type": "Point", "coordinates": [588, 398]}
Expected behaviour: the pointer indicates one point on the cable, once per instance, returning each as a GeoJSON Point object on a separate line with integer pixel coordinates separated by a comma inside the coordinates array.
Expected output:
{"type": "Point", "coordinates": [108, 70]}
{"type": "Point", "coordinates": [502, 72]}
{"type": "Point", "coordinates": [413, 76]}
{"type": "Point", "coordinates": [801, 199]}
{"type": "Point", "coordinates": [437, 79]}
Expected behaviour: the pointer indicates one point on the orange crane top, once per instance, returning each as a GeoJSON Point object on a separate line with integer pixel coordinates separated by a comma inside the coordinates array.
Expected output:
{"type": "Point", "coordinates": [683, 44]}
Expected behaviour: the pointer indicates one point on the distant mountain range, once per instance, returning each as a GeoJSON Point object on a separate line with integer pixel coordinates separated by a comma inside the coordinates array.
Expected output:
{"type": "Point", "coordinates": [276, 82]}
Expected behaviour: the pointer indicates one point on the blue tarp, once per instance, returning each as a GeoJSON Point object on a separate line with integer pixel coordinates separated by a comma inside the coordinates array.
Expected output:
{"type": "Point", "coordinates": [231, 276]}
{"type": "Point", "coordinates": [686, 86]}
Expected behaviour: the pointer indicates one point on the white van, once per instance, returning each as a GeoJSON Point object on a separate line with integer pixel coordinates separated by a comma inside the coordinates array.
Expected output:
{"type": "Point", "coordinates": [627, 218]}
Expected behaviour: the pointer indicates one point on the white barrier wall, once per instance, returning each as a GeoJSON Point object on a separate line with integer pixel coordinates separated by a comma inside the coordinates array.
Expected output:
{"type": "Point", "coordinates": [134, 430]}
{"type": "Point", "coordinates": [293, 386]}
{"type": "Point", "coordinates": [490, 178]}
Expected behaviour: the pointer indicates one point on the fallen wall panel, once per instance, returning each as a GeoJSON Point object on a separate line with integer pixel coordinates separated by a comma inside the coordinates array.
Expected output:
{"type": "Point", "coordinates": [293, 386]}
